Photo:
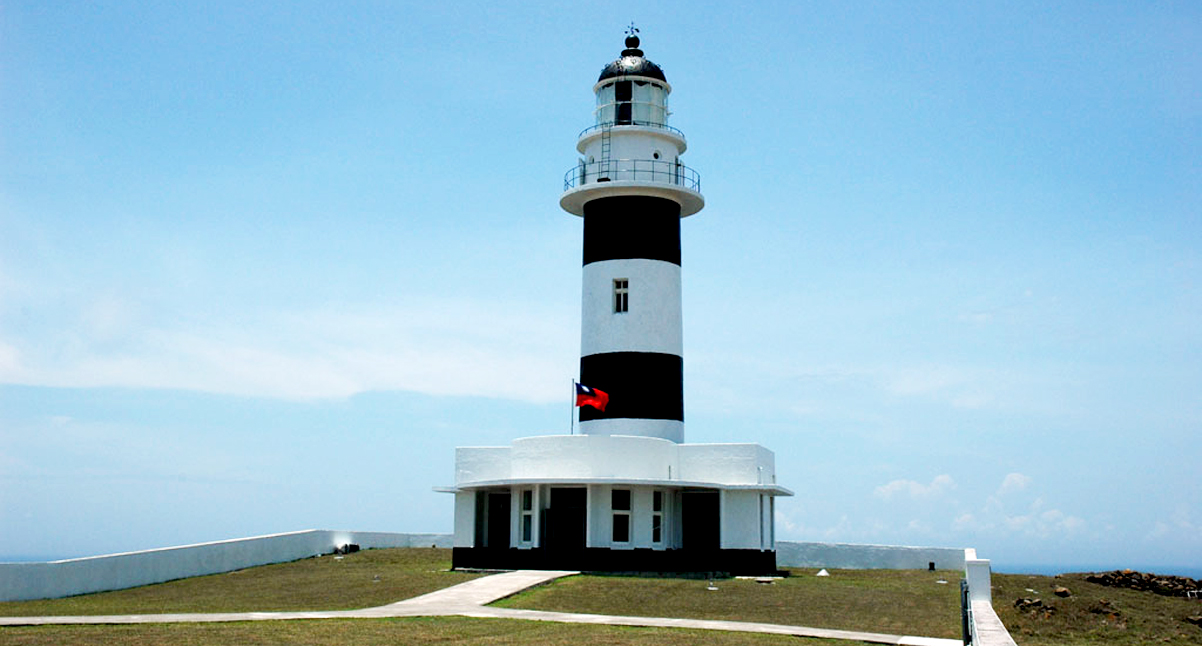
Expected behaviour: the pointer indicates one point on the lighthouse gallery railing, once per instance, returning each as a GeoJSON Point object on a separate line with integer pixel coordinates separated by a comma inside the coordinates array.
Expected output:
{"type": "Point", "coordinates": [632, 170]}
{"type": "Point", "coordinates": [631, 122]}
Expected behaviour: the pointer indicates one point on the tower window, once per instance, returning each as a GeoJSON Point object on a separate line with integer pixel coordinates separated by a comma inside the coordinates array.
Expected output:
{"type": "Point", "coordinates": [620, 504]}
{"type": "Point", "coordinates": [621, 295]}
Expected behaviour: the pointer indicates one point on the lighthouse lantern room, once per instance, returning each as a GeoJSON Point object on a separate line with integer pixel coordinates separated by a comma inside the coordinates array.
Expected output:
{"type": "Point", "coordinates": [626, 493]}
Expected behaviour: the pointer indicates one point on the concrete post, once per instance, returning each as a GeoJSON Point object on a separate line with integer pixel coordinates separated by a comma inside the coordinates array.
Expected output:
{"type": "Point", "coordinates": [977, 573]}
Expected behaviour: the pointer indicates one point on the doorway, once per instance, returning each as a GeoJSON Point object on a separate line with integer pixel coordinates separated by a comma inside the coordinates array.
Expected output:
{"type": "Point", "coordinates": [497, 521]}
{"type": "Point", "coordinates": [700, 521]}
{"type": "Point", "coordinates": [566, 519]}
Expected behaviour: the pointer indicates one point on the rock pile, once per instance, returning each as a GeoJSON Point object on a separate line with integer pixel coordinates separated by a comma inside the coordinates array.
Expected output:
{"type": "Point", "coordinates": [1169, 586]}
{"type": "Point", "coordinates": [1104, 607]}
{"type": "Point", "coordinates": [1035, 607]}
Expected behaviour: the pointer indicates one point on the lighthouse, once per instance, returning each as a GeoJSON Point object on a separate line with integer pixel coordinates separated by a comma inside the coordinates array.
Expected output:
{"type": "Point", "coordinates": [631, 189]}
{"type": "Point", "coordinates": [626, 493]}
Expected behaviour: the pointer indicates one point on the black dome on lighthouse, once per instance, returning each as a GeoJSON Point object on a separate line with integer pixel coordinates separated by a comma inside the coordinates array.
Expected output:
{"type": "Point", "coordinates": [632, 63]}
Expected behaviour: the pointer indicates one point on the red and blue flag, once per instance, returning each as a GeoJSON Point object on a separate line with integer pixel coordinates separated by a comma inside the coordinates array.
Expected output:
{"type": "Point", "coordinates": [586, 396]}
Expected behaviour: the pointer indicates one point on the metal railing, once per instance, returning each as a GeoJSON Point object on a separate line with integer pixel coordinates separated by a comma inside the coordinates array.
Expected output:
{"type": "Point", "coordinates": [632, 170]}
{"type": "Point", "coordinates": [631, 122]}
{"type": "Point", "coordinates": [965, 613]}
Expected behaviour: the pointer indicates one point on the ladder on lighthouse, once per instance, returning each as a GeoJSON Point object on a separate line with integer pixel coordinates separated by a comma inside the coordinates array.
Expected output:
{"type": "Point", "coordinates": [603, 166]}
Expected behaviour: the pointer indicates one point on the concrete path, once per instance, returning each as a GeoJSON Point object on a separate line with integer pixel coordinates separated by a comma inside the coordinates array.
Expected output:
{"type": "Point", "coordinates": [457, 599]}
{"type": "Point", "coordinates": [470, 599]}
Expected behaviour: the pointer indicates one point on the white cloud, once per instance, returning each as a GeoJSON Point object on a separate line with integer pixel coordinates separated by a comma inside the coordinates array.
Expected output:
{"type": "Point", "coordinates": [1014, 482]}
{"type": "Point", "coordinates": [963, 522]}
{"type": "Point", "coordinates": [918, 527]}
{"type": "Point", "coordinates": [1051, 523]}
{"type": "Point", "coordinates": [939, 485]}
{"type": "Point", "coordinates": [1036, 521]}
{"type": "Point", "coordinates": [922, 380]}
{"type": "Point", "coordinates": [788, 528]}
{"type": "Point", "coordinates": [437, 347]}
{"type": "Point", "coordinates": [9, 359]}
{"type": "Point", "coordinates": [1180, 524]}
{"type": "Point", "coordinates": [958, 386]}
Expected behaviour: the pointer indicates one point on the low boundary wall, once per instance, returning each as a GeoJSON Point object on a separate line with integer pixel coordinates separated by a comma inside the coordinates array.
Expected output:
{"type": "Point", "coordinates": [984, 626]}
{"type": "Point", "coordinates": [48, 580]}
{"type": "Point", "coordinates": [867, 557]}
{"type": "Point", "coordinates": [24, 581]}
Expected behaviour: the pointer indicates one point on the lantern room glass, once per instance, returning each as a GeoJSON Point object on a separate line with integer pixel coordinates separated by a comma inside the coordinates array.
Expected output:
{"type": "Point", "coordinates": [631, 102]}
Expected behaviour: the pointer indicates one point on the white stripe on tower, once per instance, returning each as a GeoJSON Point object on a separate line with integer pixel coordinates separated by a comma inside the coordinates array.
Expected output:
{"type": "Point", "coordinates": [652, 322]}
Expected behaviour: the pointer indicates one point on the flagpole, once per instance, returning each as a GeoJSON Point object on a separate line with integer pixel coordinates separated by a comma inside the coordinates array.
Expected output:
{"type": "Point", "coordinates": [572, 409]}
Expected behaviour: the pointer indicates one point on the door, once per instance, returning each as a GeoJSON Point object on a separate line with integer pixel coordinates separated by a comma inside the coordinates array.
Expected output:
{"type": "Point", "coordinates": [700, 524]}
{"type": "Point", "coordinates": [498, 521]}
{"type": "Point", "coordinates": [566, 519]}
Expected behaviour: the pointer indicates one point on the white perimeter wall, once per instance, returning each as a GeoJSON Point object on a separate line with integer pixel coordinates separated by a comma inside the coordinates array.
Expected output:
{"type": "Point", "coordinates": [21, 581]}
{"type": "Point", "coordinates": [864, 557]}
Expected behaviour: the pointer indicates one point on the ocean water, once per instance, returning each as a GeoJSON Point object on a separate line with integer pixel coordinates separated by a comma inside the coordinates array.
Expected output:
{"type": "Point", "coordinates": [1194, 572]}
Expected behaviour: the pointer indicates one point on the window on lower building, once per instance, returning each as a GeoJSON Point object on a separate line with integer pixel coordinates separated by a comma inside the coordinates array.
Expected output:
{"type": "Point", "coordinates": [772, 521]}
{"type": "Point", "coordinates": [761, 521]}
{"type": "Point", "coordinates": [527, 515]}
{"type": "Point", "coordinates": [621, 295]}
{"type": "Point", "coordinates": [657, 517]}
{"type": "Point", "coordinates": [620, 504]}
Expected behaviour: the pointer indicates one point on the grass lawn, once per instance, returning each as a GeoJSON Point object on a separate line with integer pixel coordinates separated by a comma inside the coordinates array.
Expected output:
{"type": "Point", "coordinates": [905, 602]}
{"type": "Point", "coordinates": [372, 632]}
{"type": "Point", "coordinates": [1128, 617]}
{"type": "Point", "coordinates": [321, 583]}
{"type": "Point", "coordinates": [901, 602]}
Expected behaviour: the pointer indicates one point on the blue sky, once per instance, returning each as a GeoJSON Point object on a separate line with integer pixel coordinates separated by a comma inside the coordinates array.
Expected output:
{"type": "Point", "coordinates": [263, 267]}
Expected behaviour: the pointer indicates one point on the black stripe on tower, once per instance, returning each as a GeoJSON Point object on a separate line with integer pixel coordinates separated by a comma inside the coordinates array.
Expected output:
{"type": "Point", "coordinates": [641, 385]}
{"type": "Point", "coordinates": [632, 226]}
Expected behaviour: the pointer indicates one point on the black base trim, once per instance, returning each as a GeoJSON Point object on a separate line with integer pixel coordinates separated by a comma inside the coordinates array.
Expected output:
{"type": "Point", "coordinates": [632, 226]}
{"type": "Point", "coordinates": [641, 385]}
{"type": "Point", "coordinates": [599, 559]}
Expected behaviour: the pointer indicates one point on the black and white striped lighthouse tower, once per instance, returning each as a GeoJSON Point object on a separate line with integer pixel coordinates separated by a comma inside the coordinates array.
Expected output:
{"type": "Point", "coordinates": [627, 494]}
{"type": "Point", "coordinates": [632, 191]}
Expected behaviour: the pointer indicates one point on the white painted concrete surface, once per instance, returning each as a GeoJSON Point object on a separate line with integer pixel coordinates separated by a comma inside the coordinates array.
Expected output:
{"type": "Point", "coordinates": [670, 429]}
{"type": "Point", "coordinates": [465, 518]}
{"type": "Point", "coordinates": [727, 463]}
{"type": "Point", "coordinates": [980, 583]}
{"type": "Point", "coordinates": [22, 581]}
{"type": "Point", "coordinates": [621, 457]}
{"type": "Point", "coordinates": [865, 557]}
{"type": "Point", "coordinates": [652, 322]}
{"type": "Point", "coordinates": [633, 142]}
{"type": "Point", "coordinates": [740, 523]}
{"type": "Point", "coordinates": [987, 628]}
{"type": "Point", "coordinates": [479, 463]}
{"type": "Point", "coordinates": [593, 456]}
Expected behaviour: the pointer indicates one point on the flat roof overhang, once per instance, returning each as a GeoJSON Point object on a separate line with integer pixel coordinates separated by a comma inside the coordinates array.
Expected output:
{"type": "Point", "coordinates": [772, 489]}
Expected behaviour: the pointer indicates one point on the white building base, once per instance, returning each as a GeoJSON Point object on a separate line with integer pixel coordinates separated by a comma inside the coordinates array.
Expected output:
{"type": "Point", "coordinates": [616, 503]}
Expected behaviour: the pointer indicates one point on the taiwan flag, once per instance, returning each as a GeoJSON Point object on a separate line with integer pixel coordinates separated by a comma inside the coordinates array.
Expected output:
{"type": "Point", "coordinates": [586, 396]}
